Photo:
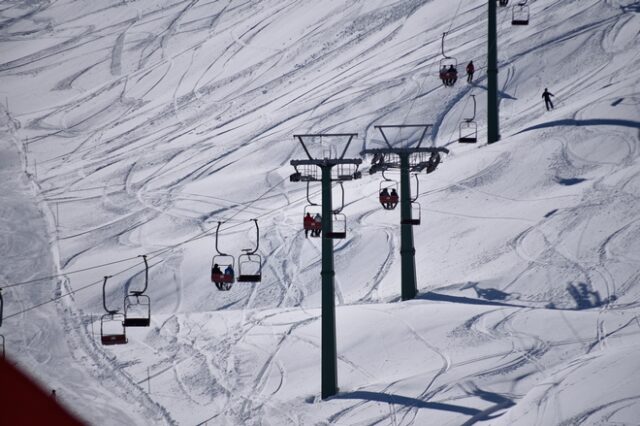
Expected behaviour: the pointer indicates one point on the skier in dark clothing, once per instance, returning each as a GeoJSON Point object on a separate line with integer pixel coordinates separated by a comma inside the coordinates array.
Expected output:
{"type": "Point", "coordinates": [547, 99]}
{"type": "Point", "coordinates": [470, 70]}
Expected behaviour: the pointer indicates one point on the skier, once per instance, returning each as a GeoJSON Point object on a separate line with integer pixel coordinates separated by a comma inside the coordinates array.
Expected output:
{"type": "Point", "coordinates": [384, 198]}
{"type": "Point", "coordinates": [216, 274]}
{"type": "Point", "coordinates": [228, 272]}
{"type": "Point", "coordinates": [308, 225]}
{"type": "Point", "coordinates": [443, 75]}
{"type": "Point", "coordinates": [470, 70]}
{"type": "Point", "coordinates": [547, 99]}
{"type": "Point", "coordinates": [393, 198]}
{"type": "Point", "coordinates": [317, 219]}
{"type": "Point", "coordinates": [452, 75]}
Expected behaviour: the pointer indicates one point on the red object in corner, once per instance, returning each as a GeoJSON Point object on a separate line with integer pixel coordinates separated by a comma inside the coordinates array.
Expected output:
{"type": "Point", "coordinates": [22, 402]}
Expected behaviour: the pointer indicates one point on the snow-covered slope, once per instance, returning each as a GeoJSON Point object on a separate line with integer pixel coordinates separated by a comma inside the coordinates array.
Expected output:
{"type": "Point", "coordinates": [141, 124]}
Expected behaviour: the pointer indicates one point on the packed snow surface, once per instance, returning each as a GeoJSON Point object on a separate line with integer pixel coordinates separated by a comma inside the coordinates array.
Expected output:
{"type": "Point", "coordinates": [134, 127]}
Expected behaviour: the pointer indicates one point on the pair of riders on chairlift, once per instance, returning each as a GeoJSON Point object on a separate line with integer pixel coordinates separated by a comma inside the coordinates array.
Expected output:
{"type": "Point", "coordinates": [313, 224]}
{"type": "Point", "coordinates": [449, 76]}
{"type": "Point", "coordinates": [222, 279]}
{"type": "Point", "coordinates": [389, 200]}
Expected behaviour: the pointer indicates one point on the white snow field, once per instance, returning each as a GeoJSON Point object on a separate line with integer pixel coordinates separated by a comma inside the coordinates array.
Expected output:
{"type": "Point", "coordinates": [133, 127]}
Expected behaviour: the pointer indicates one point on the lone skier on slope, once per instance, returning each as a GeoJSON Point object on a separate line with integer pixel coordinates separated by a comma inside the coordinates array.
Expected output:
{"type": "Point", "coordinates": [547, 99]}
{"type": "Point", "coordinates": [470, 70]}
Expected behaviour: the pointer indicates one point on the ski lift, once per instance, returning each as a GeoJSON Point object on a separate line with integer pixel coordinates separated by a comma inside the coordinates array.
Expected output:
{"type": "Point", "coordinates": [310, 220]}
{"type": "Point", "coordinates": [250, 263]}
{"type": "Point", "coordinates": [415, 215]}
{"type": "Point", "coordinates": [1, 336]}
{"type": "Point", "coordinates": [112, 329]}
{"type": "Point", "coordinates": [339, 227]}
{"type": "Point", "coordinates": [520, 14]}
{"type": "Point", "coordinates": [222, 273]}
{"type": "Point", "coordinates": [503, 3]}
{"type": "Point", "coordinates": [137, 305]}
{"type": "Point", "coordinates": [312, 217]}
{"type": "Point", "coordinates": [448, 70]}
{"type": "Point", "coordinates": [469, 128]}
{"type": "Point", "coordinates": [388, 194]}
{"type": "Point", "coordinates": [415, 207]}
{"type": "Point", "coordinates": [339, 231]}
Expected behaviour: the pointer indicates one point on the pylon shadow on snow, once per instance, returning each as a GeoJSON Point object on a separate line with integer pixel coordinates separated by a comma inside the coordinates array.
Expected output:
{"type": "Point", "coordinates": [587, 122]}
{"type": "Point", "coordinates": [407, 402]}
{"type": "Point", "coordinates": [501, 94]}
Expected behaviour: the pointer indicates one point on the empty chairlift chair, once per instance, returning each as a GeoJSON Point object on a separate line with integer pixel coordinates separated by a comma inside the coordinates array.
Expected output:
{"type": "Point", "coordinates": [520, 14]}
{"type": "Point", "coordinates": [415, 208]}
{"type": "Point", "coordinates": [137, 305]}
{"type": "Point", "coordinates": [339, 231]}
{"type": "Point", "coordinates": [250, 263]}
{"type": "Point", "coordinates": [112, 329]}
{"type": "Point", "coordinates": [339, 223]}
{"type": "Point", "coordinates": [469, 128]}
{"type": "Point", "coordinates": [415, 215]}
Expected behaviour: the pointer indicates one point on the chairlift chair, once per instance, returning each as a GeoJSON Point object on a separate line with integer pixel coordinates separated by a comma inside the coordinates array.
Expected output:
{"type": "Point", "coordinates": [520, 14]}
{"type": "Point", "coordinates": [312, 225]}
{"type": "Point", "coordinates": [469, 128]}
{"type": "Point", "coordinates": [339, 227]}
{"type": "Point", "coordinates": [222, 280]}
{"type": "Point", "coordinates": [388, 201]}
{"type": "Point", "coordinates": [415, 215]}
{"type": "Point", "coordinates": [137, 305]}
{"type": "Point", "coordinates": [112, 329]}
{"type": "Point", "coordinates": [249, 268]}
{"type": "Point", "coordinates": [445, 64]}
{"type": "Point", "coordinates": [503, 3]}
{"type": "Point", "coordinates": [250, 263]}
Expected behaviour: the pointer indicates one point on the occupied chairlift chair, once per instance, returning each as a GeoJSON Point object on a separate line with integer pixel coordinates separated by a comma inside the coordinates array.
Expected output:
{"type": "Point", "coordinates": [112, 329]}
{"type": "Point", "coordinates": [503, 3]}
{"type": "Point", "coordinates": [445, 64]}
{"type": "Point", "coordinates": [469, 128]}
{"type": "Point", "coordinates": [415, 207]}
{"type": "Point", "coordinates": [223, 281]}
{"type": "Point", "coordinates": [250, 263]}
{"type": "Point", "coordinates": [387, 187]}
{"type": "Point", "coordinates": [311, 210]}
{"type": "Point", "coordinates": [520, 14]}
{"type": "Point", "coordinates": [137, 305]}
{"type": "Point", "coordinates": [339, 230]}
{"type": "Point", "coordinates": [1, 336]}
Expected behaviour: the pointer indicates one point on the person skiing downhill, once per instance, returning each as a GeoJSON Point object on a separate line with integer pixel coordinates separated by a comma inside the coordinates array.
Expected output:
{"type": "Point", "coordinates": [470, 70]}
{"type": "Point", "coordinates": [547, 99]}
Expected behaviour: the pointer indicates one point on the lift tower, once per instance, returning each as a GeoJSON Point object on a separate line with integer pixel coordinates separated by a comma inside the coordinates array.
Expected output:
{"type": "Point", "coordinates": [407, 159]}
{"type": "Point", "coordinates": [306, 171]}
{"type": "Point", "coordinates": [493, 115]}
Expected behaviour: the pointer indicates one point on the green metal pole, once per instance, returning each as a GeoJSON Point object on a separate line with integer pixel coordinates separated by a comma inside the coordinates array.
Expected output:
{"type": "Point", "coordinates": [329, 362]}
{"type": "Point", "coordinates": [407, 251]}
{"type": "Point", "coordinates": [493, 116]}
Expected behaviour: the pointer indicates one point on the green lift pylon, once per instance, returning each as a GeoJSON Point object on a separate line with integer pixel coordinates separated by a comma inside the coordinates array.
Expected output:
{"type": "Point", "coordinates": [306, 171]}
{"type": "Point", "coordinates": [493, 113]}
{"type": "Point", "coordinates": [407, 160]}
